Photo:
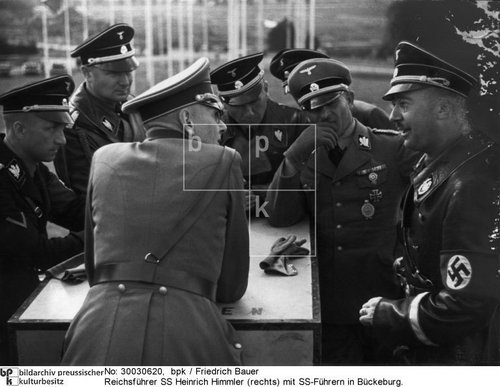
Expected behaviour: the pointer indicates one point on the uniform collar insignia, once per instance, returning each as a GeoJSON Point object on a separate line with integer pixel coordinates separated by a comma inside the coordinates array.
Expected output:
{"type": "Point", "coordinates": [108, 125]}
{"type": "Point", "coordinates": [424, 187]}
{"type": "Point", "coordinates": [15, 171]}
{"type": "Point", "coordinates": [278, 134]}
{"type": "Point", "coordinates": [364, 142]}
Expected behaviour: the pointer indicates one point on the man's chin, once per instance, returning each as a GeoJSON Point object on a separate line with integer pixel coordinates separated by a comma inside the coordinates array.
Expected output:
{"type": "Point", "coordinates": [121, 97]}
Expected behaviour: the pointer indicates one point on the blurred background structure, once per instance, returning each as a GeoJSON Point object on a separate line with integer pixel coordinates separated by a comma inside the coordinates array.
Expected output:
{"type": "Point", "coordinates": [36, 37]}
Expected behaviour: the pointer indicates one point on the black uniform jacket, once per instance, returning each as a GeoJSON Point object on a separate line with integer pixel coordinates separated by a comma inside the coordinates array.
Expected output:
{"type": "Point", "coordinates": [354, 207]}
{"type": "Point", "coordinates": [26, 204]}
{"type": "Point", "coordinates": [371, 115]}
{"type": "Point", "coordinates": [96, 124]}
{"type": "Point", "coordinates": [451, 216]}
{"type": "Point", "coordinates": [262, 146]}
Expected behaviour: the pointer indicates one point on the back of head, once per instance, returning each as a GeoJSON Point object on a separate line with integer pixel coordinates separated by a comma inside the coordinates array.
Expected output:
{"type": "Point", "coordinates": [164, 100]}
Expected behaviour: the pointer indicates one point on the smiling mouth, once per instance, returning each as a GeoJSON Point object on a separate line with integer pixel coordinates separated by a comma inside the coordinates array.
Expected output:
{"type": "Point", "coordinates": [401, 128]}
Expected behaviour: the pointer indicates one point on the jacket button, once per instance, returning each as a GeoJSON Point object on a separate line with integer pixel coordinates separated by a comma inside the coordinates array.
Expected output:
{"type": "Point", "coordinates": [339, 248]}
{"type": "Point", "coordinates": [421, 217]}
{"type": "Point", "coordinates": [163, 290]}
{"type": "Point", "coordinates": [122, 288]}
{"type": "Point", "coordinates": [339, 226]}
{"type": "Point", "coordinates": [338, 184]}
{"type": "Point", "coordinates": [338, 204]}
{"type": "Point", "coordinates": [238, 345]}
{"type": "Point", "coordinates": [305, 186]}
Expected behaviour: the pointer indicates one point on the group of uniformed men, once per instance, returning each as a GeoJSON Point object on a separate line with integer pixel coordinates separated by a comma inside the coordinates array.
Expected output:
{"type": "Point", "coordinates": [166, 206]}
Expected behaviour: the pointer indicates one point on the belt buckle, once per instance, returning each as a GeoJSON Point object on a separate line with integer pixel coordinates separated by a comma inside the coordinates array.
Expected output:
{"type": "Point", "coordinates": [151, 258]}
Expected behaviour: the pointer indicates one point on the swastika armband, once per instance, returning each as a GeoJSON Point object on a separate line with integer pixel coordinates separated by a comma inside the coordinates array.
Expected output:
{"type": "Point", "coordinates": [471, 273]}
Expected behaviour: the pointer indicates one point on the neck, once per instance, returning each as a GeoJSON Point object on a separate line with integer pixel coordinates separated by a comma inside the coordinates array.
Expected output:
{"type": "Point", "coordinates": [18, 151]}
{"type": "Point", "coordinates": [441, 147]}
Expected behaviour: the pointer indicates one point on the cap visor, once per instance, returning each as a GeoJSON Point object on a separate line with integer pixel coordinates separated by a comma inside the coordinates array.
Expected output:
{"type": "Point", "coordinates": [248, 96]}
{"type": "Point", "coordinates": [127, 64]}
{"type": "Point", "coordinates": [402, 88]}
{"type": "Point", "coordinates": [62, 117]}
{"type": "Point", "coordinates": [323, 100]}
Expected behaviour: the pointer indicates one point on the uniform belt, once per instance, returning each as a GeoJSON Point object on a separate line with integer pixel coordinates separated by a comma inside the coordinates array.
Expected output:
{"type": "Point", "coordinates": [155, 274]}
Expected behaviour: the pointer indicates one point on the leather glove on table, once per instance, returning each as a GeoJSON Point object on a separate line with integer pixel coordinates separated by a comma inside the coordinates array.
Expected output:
{"type": "Point", "coordinates": [282, 251]}
{"type": "Point", "coordinates": [72, 270]}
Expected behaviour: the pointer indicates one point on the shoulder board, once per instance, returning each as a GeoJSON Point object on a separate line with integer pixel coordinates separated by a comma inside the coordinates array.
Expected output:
{"type": "Point", "coordinates": [386, 131]}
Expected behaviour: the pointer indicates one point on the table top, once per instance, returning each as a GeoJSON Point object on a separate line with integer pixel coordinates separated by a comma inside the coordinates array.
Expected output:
{"type": "Point", "coordinates": [268, 297]}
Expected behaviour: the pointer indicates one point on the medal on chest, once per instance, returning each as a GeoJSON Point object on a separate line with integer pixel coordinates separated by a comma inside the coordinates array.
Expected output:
{"type": "Point", "coordinates": [367, 210]}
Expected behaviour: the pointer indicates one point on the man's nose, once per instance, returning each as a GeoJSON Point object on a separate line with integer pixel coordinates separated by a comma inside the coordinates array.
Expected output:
{"type": "Point", "coordinates": [395, 114]}
{"type": "Point", "coordinates": [125, 78]}
{"type": "Point", "coordinates": [60, 139]}
{"type": "Point", "coordinates": [222, 127]}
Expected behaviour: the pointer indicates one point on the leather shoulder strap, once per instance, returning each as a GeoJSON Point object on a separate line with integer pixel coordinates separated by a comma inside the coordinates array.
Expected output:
{"type": "Point", "coordinates": [204, 199]}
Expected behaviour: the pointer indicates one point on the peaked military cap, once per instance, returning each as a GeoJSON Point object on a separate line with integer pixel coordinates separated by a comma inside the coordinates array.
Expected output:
{"type": "Point", "coordinates": [48, 99]}
{"type": "Point", "coordinates": [316, 82]}
{"type": "Point", "coordinates": [188, 87]}
{"type": "Point", "coordinates": [285, 61]}
{"type": "Point", "coordinates": [238, 76]}
{"type": "Point", "coordinates": [111, 48]}
{"type": "Point", "coordinates": [417, 68]}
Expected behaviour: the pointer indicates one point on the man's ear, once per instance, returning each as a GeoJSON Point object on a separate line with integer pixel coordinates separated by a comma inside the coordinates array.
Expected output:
{"type": "Point", "coordinates": [265, 86]}
{"type": "Point", "coordinates": [350, 98]}
{"type": "Point", "coordinates": [86, 71]}
{"type": "Point", "coordinates": [444, 109]}
{"type": "Point", "coordinates": [18, 129]}
{"type": "Point", "coordinates": [185, 118]}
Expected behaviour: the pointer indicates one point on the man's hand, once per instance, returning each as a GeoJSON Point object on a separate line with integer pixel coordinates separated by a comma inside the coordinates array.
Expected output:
{"type": "Point", "coordinates": [368, 310]}
{"type": "Point", "coordinates": [250, 200]}
{"type": "Point", "coordinates": [310, 139]}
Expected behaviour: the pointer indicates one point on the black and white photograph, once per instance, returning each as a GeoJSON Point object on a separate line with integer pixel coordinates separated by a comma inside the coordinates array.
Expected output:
{"type": "Point", "coordinates": [234, 188]}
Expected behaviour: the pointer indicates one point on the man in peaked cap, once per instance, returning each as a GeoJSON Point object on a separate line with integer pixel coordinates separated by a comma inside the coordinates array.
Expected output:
{"type": "Point", "coordinates": [350, 180]}
{"type": "Point", "coordinates": [450, 314]}
{"type": "Point", "coordinates": [285, 61]}
{"type": "Point", "coordinates": [151, 300]}
{"type": "Point", "coordinates": [107, 63]}
{"type": "Point", "coordinates": [30, 195]}
{"type": "Point", "coordinates": [258, 128]}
